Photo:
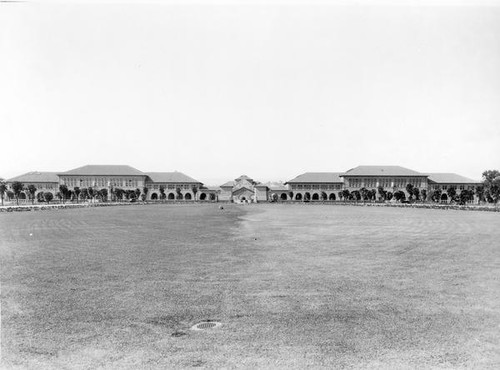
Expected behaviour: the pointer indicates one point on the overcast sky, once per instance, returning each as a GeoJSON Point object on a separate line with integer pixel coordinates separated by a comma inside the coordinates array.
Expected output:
{"type": "Point", "coordinates": [270, 90]}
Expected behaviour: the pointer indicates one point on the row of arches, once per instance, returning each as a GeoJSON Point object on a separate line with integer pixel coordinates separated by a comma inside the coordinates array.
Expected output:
{"type": "Point", "coordinates": [307, 196]}
{"type": "Point", "coordinates": [187, 196]}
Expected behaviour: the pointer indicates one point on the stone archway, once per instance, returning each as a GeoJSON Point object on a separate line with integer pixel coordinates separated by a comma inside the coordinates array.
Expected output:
{"type": "Point", "coordinates": [171, 196]}
{"type": "Point", "coordinates": [315, 196]}
{"type": "Point", "coordinates": [188, 196]}
{"type": "Point", "coordinates": [283, 196]}
{"type": "Point", "coordinates": [332, 197]}
{"type": "Point", "coordinates": [212, 197]}
{"type": "Point", "coordinates": [154, 196]}
{"type": "Point", "coordinates": [180, 196]}
{"type": "Point", "coordinates": [298, 196]}
{"type": "Point", "coordinates": [444, 197]}
{"type": "Point", "coordinates": [203, 196]}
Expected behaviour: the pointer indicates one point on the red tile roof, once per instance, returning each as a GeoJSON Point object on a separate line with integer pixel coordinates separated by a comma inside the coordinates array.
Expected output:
{"type": "Point", "coordinates": [317, 177]}
{"type": "Point", "coordinates": [381, 171]}
{"type": "Point", "coordinates": [36, 176]}
{"type": "Point", "coordinates": [450, 178]}
{"type": "Point", "coordinates": [104, 170]}
{"type": "Point", "coordinates": [172, 177]}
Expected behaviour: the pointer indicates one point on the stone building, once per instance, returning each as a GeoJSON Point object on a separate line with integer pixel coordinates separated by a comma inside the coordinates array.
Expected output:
{"type": "Point", "coordinates": [43, 181]}
{"type": "Point", "coordinates": [243, 189]}
{"type": "Point", "coordinates": [314, 186]}
{"type": "Point", "coordinates": [445, 181]}
{"type": "Point", "coordinates": [176, 186]}
{"type": "Point", "coordinates": [390, 178]}
{"type": "Point", "coordinates": [103, 177]}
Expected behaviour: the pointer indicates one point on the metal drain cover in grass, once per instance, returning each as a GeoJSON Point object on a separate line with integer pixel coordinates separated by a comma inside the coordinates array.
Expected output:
{"type": "Point", "coordinates": [206, 325]}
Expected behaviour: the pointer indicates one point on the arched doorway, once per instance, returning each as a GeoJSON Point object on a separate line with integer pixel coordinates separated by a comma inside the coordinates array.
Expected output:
{"type": "Point", "coordinates": [180, 196]}
{"type": "Point", "coordinates": [332, 197]}
{"type": "Point", "coordinates": [298, 196]}
{"type": "Point", "coordinates": [315, 196]}
{"type": "Point", "coordinates": [171, 196]}
{"type": "Point", "coordinates": [212, 197]}
{"type": "Point", "coordinates": [203, 196]}
{"type": "Point", "coordinates": [22, 196]}
{"type": "Point", "coordinates": [283, 196]}
{"type": "Point", "coordinates": [187, 196]}
{"type": "Point", "coordinates": [444, 198]}
{"type": "Point", "coordinates": [154, 196]}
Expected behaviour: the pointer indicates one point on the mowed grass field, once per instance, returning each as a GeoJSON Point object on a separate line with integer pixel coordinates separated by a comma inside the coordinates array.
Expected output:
{"type": "Point", "coordinates": [294, 286]}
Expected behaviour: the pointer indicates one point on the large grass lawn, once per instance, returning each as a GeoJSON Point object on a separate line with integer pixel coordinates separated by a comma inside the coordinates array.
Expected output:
{"type": "Point", "coordinates": [292, 285]}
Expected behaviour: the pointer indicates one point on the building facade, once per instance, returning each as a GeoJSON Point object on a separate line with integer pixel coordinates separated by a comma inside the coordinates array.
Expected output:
{"type": "Point", "coordinates": [307, 187]}
{"type": "Point", "coordinates": [173, 185]}
{"type": "Point", "coordinates": [314, 186]}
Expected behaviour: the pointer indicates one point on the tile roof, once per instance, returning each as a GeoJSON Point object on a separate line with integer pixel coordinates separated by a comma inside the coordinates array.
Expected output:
{"type": "Point", "coordinates": [36, 176]}
{"type": "Point", "coordinates": [104, 170]}
{"type": "Point", "coordinates": [450, 178]}
{"type": "Point", "coordinates": [177, 177]}
{"type": "Point", "coordinates": [228, 184]}
{"type": "Point", "coordinates": [317, 177]}
{"type": "Point", "coordinates": [381, 171]}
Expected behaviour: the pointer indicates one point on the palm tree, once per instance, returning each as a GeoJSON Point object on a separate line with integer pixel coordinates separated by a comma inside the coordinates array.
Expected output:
{"type": "Point", "coordinates": [17, 188]}
{"type": "Point", "coordinates": [195, 190]}
{"type": "Point", "coordinates": [77, 192]}
{"type": "Point", "coordinates": [145, 192]}
{"type": "Point", "coordinates": [3, 189]}
{"type": "Point", "coordinates": [409, 190]}
{"type": "Point", "coordinates": [32, 192]}
{"type": "Point", "coordinates": [63, 189]}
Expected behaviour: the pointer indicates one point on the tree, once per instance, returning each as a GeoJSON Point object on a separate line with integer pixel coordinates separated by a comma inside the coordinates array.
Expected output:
{"type": "Point", "coordinates": [162, 192]}
{"type": "Point", "coordinates": [195, 190]}
{"type": "Point", "coordinates": [32, 192]}
{"type": "Point", "coordinates": [409, 190]}
{"type": "Point", "coordinates": [137, 193]}
{"type": "Point", "coordinates": [416, 193]}
{"type": "Point", "coordinates": [85, 193]}
{"type": "Point", "coordinates": [436, 195]}
{"type": "Point", "coordinates": [77, 192]}
{"type": "Point", "coordinates": [364, 193]}
{"type": "Point", "coordinates": [480, 193]}
{"type": "Point", "coordinates": [178, 191]}
{"type": "Point", "coordinates": [48, 196]}
{"type": "Point", "coordinates": [3, 189]}
{"type": "Point", "coordinates": [103, 193]}
{"type": "Point", "coordinates": [424, 195]}
{"type": "Point", "coordinates": [10, 194]}
{"type": "Point", "coordinates": [63, 189]}
{"type": "Point", "coordinates": [40, 198]}
{"type": "Point", "coordinates": [341, 195]}
{"type": "Point", "coordinates": [145, 192]}
{"type": "Point", "coordinates": [346, 194]}
{"type": "Point", "coordinates": [119, 193]}
{"type": "Point", "coordinates": [452, 192]}
{"type": "Point", "coordinates": [399, 195]}
{"type": "Point", "coordinates": [356, 195]}
{"type": "Point", "coordinates": [90, 193]}
{"type": "Point", "coordinates": [491, 183]}
{"type": "Point", "coordinates": [389, 195]}
{"type": "Point", "coordinates": [382, 193]}
{"type": "Point", "coordinates": [17, 188]}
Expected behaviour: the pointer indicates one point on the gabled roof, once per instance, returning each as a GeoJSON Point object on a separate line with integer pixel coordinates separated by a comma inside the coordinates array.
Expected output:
{"type": "Point", "coordinates": [177, 177]}
{"type": "Point", "coordinates": [104, 170]}
{"type": "Point", "coordinates": [317, 177]}
{"type": "Point", "coordinates": [381, 171]}
{"type": "Point", "coordinates": [244, 177]}
{"type": "Point", "coordinates": [450, 178]}
{"type": "Point", "coordinates": [36, 176]}
{"type": "Point", "coordinates": [228, 184]}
